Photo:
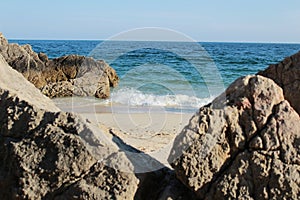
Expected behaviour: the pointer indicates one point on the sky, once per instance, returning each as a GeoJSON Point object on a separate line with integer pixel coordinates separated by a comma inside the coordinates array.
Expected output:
{"type": "Point", "coordinates": [202, 20]}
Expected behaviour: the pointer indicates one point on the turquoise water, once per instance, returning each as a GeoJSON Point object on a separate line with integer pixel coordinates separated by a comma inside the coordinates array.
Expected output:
{"type": "Point", "coordinates": [171, 74]}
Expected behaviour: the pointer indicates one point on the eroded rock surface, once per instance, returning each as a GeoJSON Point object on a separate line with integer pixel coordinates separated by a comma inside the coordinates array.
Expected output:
{"type": "Point", "coordinates": [49, 154]}
{"type": "Point", "coordinates": [244, 145]}
{"type": "Point", "coordinates": [60, 77]}
{"type": "Point", "coordinates": [286, 74]}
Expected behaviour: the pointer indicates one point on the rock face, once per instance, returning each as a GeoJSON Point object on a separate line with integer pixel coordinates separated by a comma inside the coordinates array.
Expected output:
{"type": "Point", "coordinates": [46, 154]}
{"type": "Point", "coordinates": [286, 74]}
{"type": "Point", "coordinates": [22, 58]}
{"type": "Point", "coordinates": [244, 145]}
{"type": "Point", "coordinates": [60, 77]}
{"type": "Point", "coordinates": [23, 88]}
{"type": "Point", "coordinates": [49, 154]}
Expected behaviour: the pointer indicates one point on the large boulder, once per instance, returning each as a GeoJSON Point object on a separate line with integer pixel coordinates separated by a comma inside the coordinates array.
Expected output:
{"type": "Point", "coordinates": [244, 145]}
{"type": "Point", "coordinates": [61, 77]}
{"type": "Point", "coordinates": [49, 154]}
{"type": "Point", "coordinates": [286, 74]}
{"type": "Point", "coordinates": [79, 76]}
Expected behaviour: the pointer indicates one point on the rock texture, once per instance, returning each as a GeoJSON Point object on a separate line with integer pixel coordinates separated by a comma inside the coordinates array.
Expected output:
{"type": "Point", "coordinates": [244, 145]}
{"type": "Point", "coordinates": [60, 77]}
{"type": "Point", "coordinates": [22, 87]}
{"type": "Point", "coordinates": [286, 74]}
{"type": "Point", "coordinates": [48, 154]}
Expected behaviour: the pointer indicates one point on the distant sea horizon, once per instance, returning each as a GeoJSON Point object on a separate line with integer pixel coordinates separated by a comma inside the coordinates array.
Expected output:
{"type": "Point", "coordinates": [170, 74]}
{"type": "Point", "coordinates": [198, 41]}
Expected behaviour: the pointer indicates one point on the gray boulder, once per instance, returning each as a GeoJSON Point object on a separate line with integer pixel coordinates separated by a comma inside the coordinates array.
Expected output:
{"type": "Point", "coordinates": [244, 145]}
{"type": "Point", "coordinates": [49, 154]}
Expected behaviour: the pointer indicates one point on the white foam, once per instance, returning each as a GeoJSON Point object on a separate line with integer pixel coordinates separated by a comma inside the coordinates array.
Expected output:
{"type": "Point", "coordinates": [129, 96]}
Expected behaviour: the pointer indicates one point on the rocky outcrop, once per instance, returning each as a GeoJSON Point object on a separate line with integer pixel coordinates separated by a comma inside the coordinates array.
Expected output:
{"type": "Point", "coordinates": [79, 76]}
{"type": "Point", "coordinates": [11, 80]}
{"type": "Point", "coordinates": [286, 74]}
{"type": "Point", "coordinates": [49, 154]}
{"type": "Point", "coordinates": [244, 145]}
{"type": "Point", "coordinates": [61, 77]}
{"type": "Point", "coordinates": [22, 58]}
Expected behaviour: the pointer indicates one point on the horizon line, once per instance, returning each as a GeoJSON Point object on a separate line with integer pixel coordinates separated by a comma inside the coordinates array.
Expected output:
{"type": "Point", "coordinates": [207, 41]}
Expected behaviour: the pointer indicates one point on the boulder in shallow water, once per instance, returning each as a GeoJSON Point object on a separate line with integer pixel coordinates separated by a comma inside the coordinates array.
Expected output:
{"type": "Point", "coordinates": [85, 76]}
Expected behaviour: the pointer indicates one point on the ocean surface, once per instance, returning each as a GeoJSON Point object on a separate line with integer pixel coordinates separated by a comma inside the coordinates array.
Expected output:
{"type": "Point", "coordinates": [173, 75]}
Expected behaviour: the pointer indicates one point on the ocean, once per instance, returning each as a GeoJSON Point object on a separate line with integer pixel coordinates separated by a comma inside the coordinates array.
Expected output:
{"type": "Point", "coordinates": [173, 75]}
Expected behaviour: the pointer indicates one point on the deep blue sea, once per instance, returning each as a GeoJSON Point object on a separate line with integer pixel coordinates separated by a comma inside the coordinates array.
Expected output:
{"type": "Point", "coordinates": [174, 74]}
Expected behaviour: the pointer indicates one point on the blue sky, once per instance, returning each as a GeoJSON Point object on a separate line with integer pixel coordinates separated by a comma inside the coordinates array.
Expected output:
{"type": "Point", "coordinates": [210, 20]}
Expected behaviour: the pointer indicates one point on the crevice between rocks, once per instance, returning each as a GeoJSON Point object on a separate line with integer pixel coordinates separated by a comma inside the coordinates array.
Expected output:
{"type": "Point", "coordinates": [153, 184]}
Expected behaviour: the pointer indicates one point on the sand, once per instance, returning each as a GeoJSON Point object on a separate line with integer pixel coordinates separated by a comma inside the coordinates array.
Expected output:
{"type": "Point", "coordinates": [147, 129]}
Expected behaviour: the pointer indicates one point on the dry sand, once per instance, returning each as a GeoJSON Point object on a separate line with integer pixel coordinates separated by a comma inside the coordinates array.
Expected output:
{"type": "Point", "coordinates": [150, 130]}
{"type": "Point", "coordinates": [151, 133]}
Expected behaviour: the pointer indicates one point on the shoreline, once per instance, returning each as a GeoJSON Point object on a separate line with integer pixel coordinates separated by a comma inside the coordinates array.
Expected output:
{"type": "Point", "coordinates": [92, 105]}
{"type": "Point", "coordinates": [151, 131]}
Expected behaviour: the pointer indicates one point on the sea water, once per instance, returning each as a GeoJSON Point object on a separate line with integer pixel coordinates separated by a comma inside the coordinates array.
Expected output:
{"type": "Point", "coordinates": [177, 75]}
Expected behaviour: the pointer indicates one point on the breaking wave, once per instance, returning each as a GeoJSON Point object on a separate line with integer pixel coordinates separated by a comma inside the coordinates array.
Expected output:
{"type": "Point", "coordinates": [133, 97]}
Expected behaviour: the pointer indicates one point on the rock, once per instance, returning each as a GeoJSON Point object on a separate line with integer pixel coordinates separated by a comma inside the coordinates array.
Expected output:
{"type": "Point", "coordinates": [49, 154]}
{"type": "Point", "coordinates": [61, 77]}
{"type": "Point", "coordinates": [43, 57]}
{"type": "Point", "coordinates": [244, 145]}
{"type": "Point", "coordinates": [112, 76]}
{"type": "Point", "coordinates": [86, 76]}
{"type": "Point", "coordinates": [102, 182]}
{"type": "Point", "coordinates": [58, 89]}
{"type": "Point", "coordinates": [25, 90]}
{"type": "Point", "coordinates": [21, 58]}
{"type": "Point", "coordinates": [103, 88]}
{"type": "Point", "coordinates": [286, 74]}
{"type": "Point", "coordinates": [162, 184]}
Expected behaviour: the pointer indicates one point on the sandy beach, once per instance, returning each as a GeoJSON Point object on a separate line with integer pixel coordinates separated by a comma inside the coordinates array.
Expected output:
{"type": "Point", "coordinates": [147, 129]}
{"type": "Point", "coordinates": [73, 127]}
